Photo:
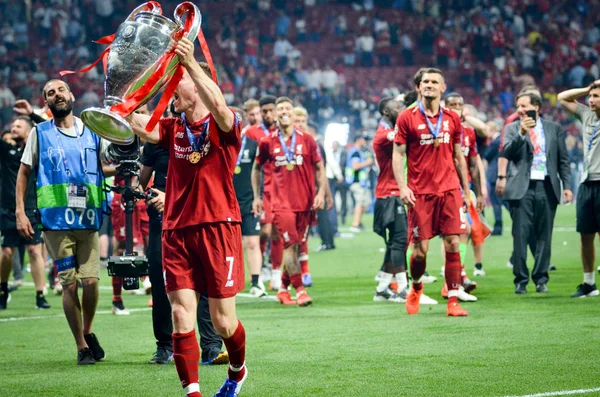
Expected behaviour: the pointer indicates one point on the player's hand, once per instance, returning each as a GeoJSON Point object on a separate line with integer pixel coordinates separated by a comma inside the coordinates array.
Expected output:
{"type": "Point", "coordinates": [340, 180]}
{"type": "Point", "coordinates": [319, 202]}
{"type": "Point", "coordinates": [567, 196]}
{"type": "Point", "coordinates": [23, 107]}
{"type": "Point", "coordinates": [185, 52]}
{"type": "Point", "coordinates": [527, 124]}
{"type": "Point", "coordinates": [407, 196]}
{"type": "Point", "coordinates": [480, 203]}
{"type": "Point", "coordinates": [467, 199]}
{"type": "Point", "coordinates": [257, 206]}
{"type": "Point", "coordinates": [159, 201]}
{"type": "Point", "coordinates": [329, 201]}
{"type": "Point", "coordinates": [24, 226]}
{"type": "Point", "coordinates": [500, 185]}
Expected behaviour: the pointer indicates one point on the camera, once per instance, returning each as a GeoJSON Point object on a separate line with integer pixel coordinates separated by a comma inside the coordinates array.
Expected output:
{"type": "Point", "coordinates": [130, 266]}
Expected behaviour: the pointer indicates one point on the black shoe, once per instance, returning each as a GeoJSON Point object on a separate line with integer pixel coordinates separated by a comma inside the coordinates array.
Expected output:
{"type": "Point", "coordinates": [541, 288]}
{"type": "Point", "coordinates": [520, 289]}
{"type": "Point", "coordinates": [552, 268]}
{"type": "Point", "coordinates": [41, 303]}
{"type": "Point", "coordinates": [94, 346]}
{"type": "Point", "coordinates": [497, 232]}
{"type": "Point", "coordinates": [85, 357]}
{"type": "Point", "coordinates": [162, 356]}
{"type": "Point", "coordinates": [585, 290]}
{"type": "Point", "coordinates": [216, 357]}
{"type": "Point", "coordinates": [4, 300]}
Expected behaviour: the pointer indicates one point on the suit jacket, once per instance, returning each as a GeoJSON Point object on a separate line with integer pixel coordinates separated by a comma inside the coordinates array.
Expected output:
{"type": "Point", "coordinates": [519, 152]}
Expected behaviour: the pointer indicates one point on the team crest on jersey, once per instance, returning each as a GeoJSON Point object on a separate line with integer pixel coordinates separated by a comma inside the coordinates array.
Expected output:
{"type": "Point", "coordinates": [421, 127]}
{"type": "Point", "coordinates": [445, 123]}
{"type": "Point", "coordinates": [299, 148]}
{"type": "Point", "coordinates": [238, 119]}
{"type": "Point", "coordinates": [246, 153]}
{"type": "Point", "coordinates": [395, 129]}
{"type": "Point", "coordinates": [276, 150]}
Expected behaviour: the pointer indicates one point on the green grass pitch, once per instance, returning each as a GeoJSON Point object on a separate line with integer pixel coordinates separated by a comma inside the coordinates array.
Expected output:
{"type": "Point", "coordinates": [345, 344]}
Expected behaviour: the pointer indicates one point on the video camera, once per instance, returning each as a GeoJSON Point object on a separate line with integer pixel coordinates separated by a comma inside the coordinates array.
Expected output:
{"type": "Point", "coordinates": [130, 266]}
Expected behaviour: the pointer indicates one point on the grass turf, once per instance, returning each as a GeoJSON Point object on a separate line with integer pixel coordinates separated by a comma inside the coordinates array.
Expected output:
{"type": "Point", "coordinates": [345, 344]}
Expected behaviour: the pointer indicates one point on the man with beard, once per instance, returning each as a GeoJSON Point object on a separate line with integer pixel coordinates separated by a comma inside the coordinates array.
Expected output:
{"type": "Point", "coordinates": [268, 232]}
{"type": "Point", "coordinates": [296, 162]}
{"type": "Point", "coordinates": [202, 234]}
{"type": "Point", "coordinates": [10, 160]}
{"type": "Point", "coordinates": [429, 136]}
{"type": "Point", "coordinates": [65, 156]}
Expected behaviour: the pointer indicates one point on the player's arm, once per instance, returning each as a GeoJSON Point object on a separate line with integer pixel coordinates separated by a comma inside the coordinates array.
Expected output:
{"type": "Point", "coordinates": [138, 124]}
{"type": "Point", "coordinates": [23, 225]}
{"type": "Point", "coordinates": [479, 126]}
{"type": "Point", "coordinates": [461, 170]}
{"type": "Point", "coordinates": [568, 98]}
{"type": "Point", "coordinates": [208, 90]}
{"type": "Point", "coordinates": [257, 204]}
{"type": "Point", "coordinates": [109, 169]}
{"type": "Point", "coordinates": [357, 165]}
{"type": "Point", "coordinates": [145, 175]}
{"type": "Point", "coordinates": [398, 158]}
{"type": "Point", "coordinates": [319, 201]}
{"type": "Point", "coordinates": [482, 177]}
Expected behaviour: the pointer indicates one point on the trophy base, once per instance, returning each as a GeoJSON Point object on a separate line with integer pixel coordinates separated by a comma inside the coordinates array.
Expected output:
{"type": "Point", "coordinates": [108, 125]}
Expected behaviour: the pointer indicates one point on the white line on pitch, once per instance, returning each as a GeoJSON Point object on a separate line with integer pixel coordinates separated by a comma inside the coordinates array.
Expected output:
{"type": "Point", "coordinates": [561, 393]}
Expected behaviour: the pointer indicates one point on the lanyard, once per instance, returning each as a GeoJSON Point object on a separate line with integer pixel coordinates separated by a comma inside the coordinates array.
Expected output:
{"type": "Point", "coordinates": [264, 128]}
{"type": "Point", "coordinates": [196, 143]}
{"type": "Point", "coordinates": [62, 149]}
{"type": "Point", "coordinates": [438, 127]}
{"type": "Point", "coordinates": [288, 151]}
{"type": "Point", "coordinates": [240, 154]}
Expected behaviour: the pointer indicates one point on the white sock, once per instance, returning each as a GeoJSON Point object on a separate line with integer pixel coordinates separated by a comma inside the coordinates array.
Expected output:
{"type": "Point", "coordinates": [384, 282]}
{"type": "Point", "coordinates": [192, 388]}
{"type": "Point", "coordinates": [402, 281]}
{"type": "Point", "coordinates": [589, 278]}
{"type": "Point", "coordinates": [452, 292]}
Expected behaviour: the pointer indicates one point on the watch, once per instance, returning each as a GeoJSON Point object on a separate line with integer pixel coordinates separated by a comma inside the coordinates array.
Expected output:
{"type": "Point", "coordinates": [501, 176]}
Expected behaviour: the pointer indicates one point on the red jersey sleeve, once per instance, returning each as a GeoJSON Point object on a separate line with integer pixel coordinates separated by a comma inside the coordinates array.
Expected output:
{"type": "Point", "coordinates": [166, 127]}
{"type": "Point", "coordinates": [263, 152]}
{"type": "Point", "coordinates": [401, 129]}
{"type": "Point", "coordinates": [473, 145]}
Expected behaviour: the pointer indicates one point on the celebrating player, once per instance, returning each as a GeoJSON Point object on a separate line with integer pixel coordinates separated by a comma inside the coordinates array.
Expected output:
{"type": "Point", "coordinates": [429, 136]}
{"type": "Point", "coordinates": [295, 159]}
{"type": "Point", "coordinates": [202, 237]}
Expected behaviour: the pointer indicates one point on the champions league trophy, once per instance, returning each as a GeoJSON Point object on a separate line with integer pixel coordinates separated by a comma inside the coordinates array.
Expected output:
{"type": "Point", "coordinates": [139, 63]}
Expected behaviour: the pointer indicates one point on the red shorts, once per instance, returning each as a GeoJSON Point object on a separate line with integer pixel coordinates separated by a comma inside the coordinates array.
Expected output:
{"type": "Point", "coordinates": [141, 209]}
{"type": "Point", "coordinates": [293, 227]}
{"type": "Point", "coordinates": [205, 258]}
{"type": "Point", "coordinates": [435, 215]}
{"type": "Point", "coordinates": [118, 222]}
{"type": "Point", "coordinates": [266, 217]}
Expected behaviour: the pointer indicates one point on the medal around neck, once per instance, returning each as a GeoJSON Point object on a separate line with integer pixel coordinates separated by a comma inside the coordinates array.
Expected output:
{"type": "Point", "coordinates": [195, 157]}
{"type": "Point", "coordinates": [139, 65]}
{"type": "Point", "coordinates": [238, 169]}
{"type": "Point", "coordinates": [289, 167]}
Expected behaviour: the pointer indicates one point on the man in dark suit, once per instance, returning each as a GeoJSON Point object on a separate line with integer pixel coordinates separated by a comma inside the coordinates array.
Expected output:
{"type": "Point", "coordinates": [538, 163]}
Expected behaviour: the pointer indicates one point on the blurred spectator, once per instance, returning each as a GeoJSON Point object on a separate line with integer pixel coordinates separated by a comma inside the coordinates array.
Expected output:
{"type": "Point", "coordinates": [329, 80]}
{"type": "Point", "coordinates": [7, 101]}
{"type": "Point", "coordinates": [280, 50]}
{"type": "Point", "coordinates": [251, 49]}
{"type": "Point", "coordinates": [407, 49]}
{"type": "Point", "coordinates": [300, 30]}
{"type": "Point", "coordinates": [384, 47]}
{"type": "Point", "coordinates": [365, 45]}
{"type": "Point", "coordinates": [282, 24]}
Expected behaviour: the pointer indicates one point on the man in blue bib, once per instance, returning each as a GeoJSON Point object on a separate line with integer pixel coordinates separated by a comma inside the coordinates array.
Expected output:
{"type": "Point", "coordinates": [64, 156]}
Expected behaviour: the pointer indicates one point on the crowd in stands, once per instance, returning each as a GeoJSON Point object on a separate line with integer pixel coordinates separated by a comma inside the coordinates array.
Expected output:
{"type": "Point", "coordinates": [337, 58]}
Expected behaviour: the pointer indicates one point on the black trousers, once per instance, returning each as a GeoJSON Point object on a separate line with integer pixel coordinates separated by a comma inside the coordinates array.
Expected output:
{"type": "Point", "coordinates": [161, 308]}
{"type": "Point", "coordinates": [325, 229]}
{"type": "Point", "coordinates": [210, 341]}
{"type": "Point", "coordinates": [497, 206]}
{"type": "Point", "coordinates": [342, 188]}
{"type": "Point", "coordinates": [533, 219]}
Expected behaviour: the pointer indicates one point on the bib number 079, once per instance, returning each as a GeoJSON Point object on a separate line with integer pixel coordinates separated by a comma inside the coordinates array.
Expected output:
{"type": "Point", "coordinates": [77, 215]}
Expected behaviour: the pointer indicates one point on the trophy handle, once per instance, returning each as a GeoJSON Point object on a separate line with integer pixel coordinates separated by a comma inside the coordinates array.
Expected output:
{"type": "Point", "coordinates": [151, 6]}
{"type": "Point", "coordinates": [193, 20]}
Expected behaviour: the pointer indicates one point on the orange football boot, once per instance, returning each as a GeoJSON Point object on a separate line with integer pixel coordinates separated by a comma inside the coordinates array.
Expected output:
{"type": "Point", "coordinates": [285, 298]}
{"type": "Point", "coordinates": [412, 300]}
{"type": "Point", "coordinates": [454, 310]}
{"type": "Point", "coordinates": [303, 299]}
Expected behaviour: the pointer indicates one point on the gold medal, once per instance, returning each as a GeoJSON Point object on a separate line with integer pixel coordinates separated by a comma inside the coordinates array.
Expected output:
{"type": "Point", "coordinates": [436, 142]}
{"type": "Point", "coordinates": [289, 166]}
{"type": "Point", "coordinates": [195, 157]}
{"type": "Point", "coordinates": [238, 169]}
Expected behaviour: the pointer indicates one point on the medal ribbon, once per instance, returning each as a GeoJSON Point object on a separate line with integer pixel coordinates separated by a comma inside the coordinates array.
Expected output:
{"type": "Point", "coordinates": [288, 151]}
{"type": "Point", "coordinates": [239, 159]}
{"type": "Point", "coordinates": [438, 127]}
{"type": "Point", "coordinates": [264, 128]}
{"type": "Point", "coordinates": [592, 138]}
{"type": "Point", "coordinates": [196, 143]}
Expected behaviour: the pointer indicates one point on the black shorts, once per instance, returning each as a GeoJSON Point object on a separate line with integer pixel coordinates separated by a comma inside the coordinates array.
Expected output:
{"type": "Point", "coordinates": [8, 229]}
{"type": "Point", "coordinates": [250, 225]}
{"type": "Point", "coordinates": [106, 227]}
{"type": "Point", "coordinates": [390, 220]}
{"type": "Point", "coordinates": [588, 208]}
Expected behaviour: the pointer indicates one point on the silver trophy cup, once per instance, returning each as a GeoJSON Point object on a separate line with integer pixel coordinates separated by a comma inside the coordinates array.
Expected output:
{"type": "Point", "coordinates": [140, 44]}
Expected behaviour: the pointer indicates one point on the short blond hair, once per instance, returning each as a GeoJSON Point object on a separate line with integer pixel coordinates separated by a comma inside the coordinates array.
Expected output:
{"type": "Point", "coordinates": [300, 111]}
{"type": "Point", "coordinates": [250, 104]}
